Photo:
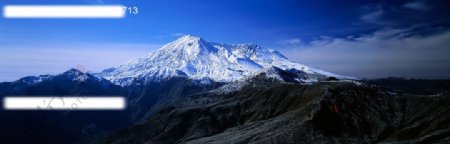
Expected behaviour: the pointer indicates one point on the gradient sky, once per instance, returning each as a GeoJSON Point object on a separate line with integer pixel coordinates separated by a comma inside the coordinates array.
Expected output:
{"type": "Point", "coordinates": [361, 38]}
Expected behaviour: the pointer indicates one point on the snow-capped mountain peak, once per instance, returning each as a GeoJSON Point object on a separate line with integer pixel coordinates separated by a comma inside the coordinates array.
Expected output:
{"type": "Point", "coordinates": [71, 75]}
{"type": "Point", "coordinates": [188, 45]}
{"type": "Point", "coordinates": [75, 75]}
{"type": "Point", "coordinates": [193, 57]}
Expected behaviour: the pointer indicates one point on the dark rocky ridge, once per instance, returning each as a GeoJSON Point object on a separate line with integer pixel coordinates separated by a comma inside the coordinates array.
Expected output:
{"type": "Point", "coordinates": [85, 126]}
{"type": "Point", "coordinates": [264, 110]}
{"type": "Point", "coordinates": [59, 126]}
{"type": "Point", "coordinates": [269, 111]}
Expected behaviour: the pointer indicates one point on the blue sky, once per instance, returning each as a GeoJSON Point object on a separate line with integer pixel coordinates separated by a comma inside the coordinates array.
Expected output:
{"type": "Point", "coordinates": [359, 38]}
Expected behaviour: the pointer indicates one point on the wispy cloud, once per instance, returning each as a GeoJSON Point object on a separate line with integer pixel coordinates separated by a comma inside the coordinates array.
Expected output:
{"type": "Point", "coordinates": [396, 15]}
{"type": "Point", "coordinates": [94, 1]}
{"type": "Point", "coordinates": [295, 42]}
{"type": "Point", "coordinates": [417, 5]}
{"type": "Point", "coordinates": [387, 52]}
{"type": "Point", "coordinates": [178, 34]}
{"type": "Point", "coordinates": [372, 17]}
{"type": "Point", "coordinates": [173, 35]}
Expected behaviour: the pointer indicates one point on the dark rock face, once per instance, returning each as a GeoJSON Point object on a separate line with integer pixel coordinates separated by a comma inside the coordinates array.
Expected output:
{"type": "Point", "coordinates": [262, 110]}
{"type": "Point", "coordinates": [85, 126]}
{"type": "Point", "coordinates": [148, 97]}
{"type": "Point", "coordinates": [59, 126]}
{"type": "Point", "coordinates": [277, 112]}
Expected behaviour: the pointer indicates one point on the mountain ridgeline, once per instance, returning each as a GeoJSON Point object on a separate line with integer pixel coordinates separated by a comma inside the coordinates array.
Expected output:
{"type": "Point", "coordinates": [194, 91]}
{"type": "Point", "coordinates": [194, 58]}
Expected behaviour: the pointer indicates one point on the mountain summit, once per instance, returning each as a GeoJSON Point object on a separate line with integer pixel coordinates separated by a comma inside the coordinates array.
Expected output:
{"type": "Point", "coordinates": [193, 57]}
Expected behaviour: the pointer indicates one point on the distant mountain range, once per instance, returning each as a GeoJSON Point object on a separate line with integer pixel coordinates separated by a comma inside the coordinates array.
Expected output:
{"type": "Point", "coordinates": [194, 58]}
{"type": "Point", "coordinates": [193, 91]}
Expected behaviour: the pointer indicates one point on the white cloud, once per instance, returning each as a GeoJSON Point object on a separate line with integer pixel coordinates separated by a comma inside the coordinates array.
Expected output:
{"type": "Point", "coordinates": [388, 52]}
{"type": "Point", "coordinates": [178, 34]}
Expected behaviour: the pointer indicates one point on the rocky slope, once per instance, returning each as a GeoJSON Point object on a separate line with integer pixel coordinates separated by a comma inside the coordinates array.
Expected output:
{"type": "Point", "coordinates": [23, 127]}
{"type": "Point", "coordinates": [193, 91]}
{"type": "Point", "coordinates": [270, 111]}
{"type": "Point", "coordinates": [85, 126]}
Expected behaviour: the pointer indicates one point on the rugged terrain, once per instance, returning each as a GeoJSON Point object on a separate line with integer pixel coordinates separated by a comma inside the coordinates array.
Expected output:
{"type": "Point", "coordinates": [272, 111]}
{"type": "Point", "coordinates": [194, 91]}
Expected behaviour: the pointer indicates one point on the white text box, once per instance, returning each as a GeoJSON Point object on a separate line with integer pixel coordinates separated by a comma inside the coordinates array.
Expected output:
{"type": "Point", "coordinates": [64, 103]}
{"type": "Point", "coordinates": [63, 11]}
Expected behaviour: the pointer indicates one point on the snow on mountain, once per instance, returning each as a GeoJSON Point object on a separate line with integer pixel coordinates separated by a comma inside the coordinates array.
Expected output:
{"type": "Point", "coordinates": [195, 58]}
{"type": "Point", "coordinates": [72, 75]}
{"type": "Point", "coordinates": [77, 75]}
{"type": "Point", "coordinates": [31, 80]}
